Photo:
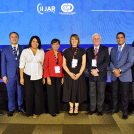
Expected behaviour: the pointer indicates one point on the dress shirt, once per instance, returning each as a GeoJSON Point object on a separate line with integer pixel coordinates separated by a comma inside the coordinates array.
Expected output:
{"type": "Point", "coordinates": [16, 48]}
{"type": "Point", "coordinates": [32, 64]}
{"type": "Point", "coordinates": [121, 51]}
{"type": "Point", "coordinates": [97, 52]}
{"type": "Point", "coordinates": [121, 47]}
{"type": "Point", "coordinates": [97, 48]}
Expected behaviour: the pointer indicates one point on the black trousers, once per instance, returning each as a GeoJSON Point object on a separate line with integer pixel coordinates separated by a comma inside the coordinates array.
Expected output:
{"type": "Point", "coordinates": [96, 95]}
{"type": "Point", "coordinates": [123, 87]}
{"type": "Point", "coordinates": [53, 95]}
{"type": "Point", "coordinates": [34, 96]}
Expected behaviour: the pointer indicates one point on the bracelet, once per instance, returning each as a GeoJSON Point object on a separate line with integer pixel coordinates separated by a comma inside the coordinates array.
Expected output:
{"type": "Point", "coordinates": [80, 72]}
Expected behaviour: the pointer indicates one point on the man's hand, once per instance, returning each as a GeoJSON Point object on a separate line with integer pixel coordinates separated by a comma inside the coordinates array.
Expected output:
{"type": "Point", "coordinates": [22, 81]}
{"type": "Point", "coordinates": [117, 72]}
{"type": "Point", "coordinates": [5, 80]}
{"type": "Point", "coordinates": [94, 72]}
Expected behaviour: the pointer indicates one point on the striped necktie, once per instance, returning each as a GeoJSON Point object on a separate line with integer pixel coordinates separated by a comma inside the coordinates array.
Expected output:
{"type": "Point", "coordinates": [95, 53]}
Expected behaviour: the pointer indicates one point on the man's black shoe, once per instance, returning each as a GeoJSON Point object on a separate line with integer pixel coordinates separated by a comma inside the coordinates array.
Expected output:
{"type": "Point", "coordinates": [22, 111]}
{"type": "Point", "coordinates": [124, 117]}
{"type": "Point", "coordinates": [1, 113]}
{"type": "Point", "coordinates": [132, 114]}
{"type": "Point", "coordinates": [58, 113]}
{"type": "Point", "coordinates": [99, 113]}
{"type": "Point", "coordinates": [90, 113]}
{"type": "Point", "coordinates": [112, 112]}
{"type": "Point", "coordinates": [53, 115]}
{"type": "Point", "coordinates": [10, 113]}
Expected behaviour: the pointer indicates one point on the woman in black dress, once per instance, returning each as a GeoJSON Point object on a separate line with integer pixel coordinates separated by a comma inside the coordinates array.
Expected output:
{"type": "Point", "coordinates": [74, 62]}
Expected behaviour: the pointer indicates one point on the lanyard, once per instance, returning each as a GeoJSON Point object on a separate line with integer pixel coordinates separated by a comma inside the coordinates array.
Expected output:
{"type": "Point", "coordinates": [74, 52]}
{"type": "Point", "coordinates": [56, 58]}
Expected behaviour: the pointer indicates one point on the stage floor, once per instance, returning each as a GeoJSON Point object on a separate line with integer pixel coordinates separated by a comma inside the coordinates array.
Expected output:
{"type": "Point", "coordinates": [65, 124]}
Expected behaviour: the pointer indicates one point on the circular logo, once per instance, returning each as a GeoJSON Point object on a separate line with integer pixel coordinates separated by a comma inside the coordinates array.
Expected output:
{"type": "Point", "coordinates": [67, 7]}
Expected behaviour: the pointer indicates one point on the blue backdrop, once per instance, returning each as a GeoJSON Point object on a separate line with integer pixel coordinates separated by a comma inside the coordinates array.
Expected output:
{"type": "Point", "coordinates": [60, 18]}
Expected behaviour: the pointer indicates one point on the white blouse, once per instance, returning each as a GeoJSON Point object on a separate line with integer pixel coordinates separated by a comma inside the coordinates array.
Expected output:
{"type": "Point", "coordinates": [32, 64]}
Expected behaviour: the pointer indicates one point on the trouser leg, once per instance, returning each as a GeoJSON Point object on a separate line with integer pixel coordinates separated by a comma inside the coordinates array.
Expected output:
{"type": "Point", "coordinates": [11, 89]}
{"type": "Point", "coordinates": [100, 95]}
{"type": "Point", "coordinates": [92, 95]}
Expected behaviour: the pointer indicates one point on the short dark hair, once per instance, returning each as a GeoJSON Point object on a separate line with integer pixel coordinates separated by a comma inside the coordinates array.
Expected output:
{"type": "Point", "coordinates": [55, 40]}
{"type": "Point", "coordinates": [15, 33]}
{"type": "Point", "coordinates": [38, 40]}
{"type": "Point", "coordinates": [120, 33]}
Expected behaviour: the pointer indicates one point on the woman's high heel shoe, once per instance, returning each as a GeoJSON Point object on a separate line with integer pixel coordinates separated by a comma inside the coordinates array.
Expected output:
{"type": "Point", "coordinates": [71, 113]}
{"type": "Point", "coordinates": [76, 111]}
{"type": "Point", "coordinates": [34, 116]}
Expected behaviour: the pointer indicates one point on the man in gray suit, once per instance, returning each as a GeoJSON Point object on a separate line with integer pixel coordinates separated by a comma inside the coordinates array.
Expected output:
{"type": "Point", "coordinates": [121, 62]}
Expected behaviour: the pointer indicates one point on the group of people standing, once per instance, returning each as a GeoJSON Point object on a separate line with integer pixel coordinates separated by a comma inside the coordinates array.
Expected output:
{"type": "Point", "coordinates": [31, 68]}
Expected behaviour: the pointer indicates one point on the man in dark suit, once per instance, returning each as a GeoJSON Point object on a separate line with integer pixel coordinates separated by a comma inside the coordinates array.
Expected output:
{"type": "Point", "coordinates": [120, 65]}
{"type": "Point", "coordinates": [97, 61]}
{"type": "Point", "coordinates": [0, 78]}
{"type": "Point", "coordinates": [133, 81]}
{"type": "Point", "coordinates": [10, 72]}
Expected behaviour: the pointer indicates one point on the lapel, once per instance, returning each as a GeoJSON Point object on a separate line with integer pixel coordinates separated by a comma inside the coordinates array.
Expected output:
{"type": "Point", "coordinates": [19, 48]}
{"type": "Point", "coordinates": [99, 54]}
{"type": "Point", "coordinates": [92, 53]}
{"type": "Point", "coordinates": [53, 56]}
{"type": "Point", "coordinates": [116, 52]}
{"type": "Point", "coordinates": [122, 51]}
{"type": "Point", "coordinates": [11, 52]}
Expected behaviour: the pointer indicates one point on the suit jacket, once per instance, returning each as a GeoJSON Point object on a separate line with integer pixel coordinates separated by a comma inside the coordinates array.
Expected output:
{"type": "Point", "coordinates": [50, 63]}
{"type": "Point", "coordinates": [0, 63]}
{"type": "Point", "coordinates": [133, 64]}
{"type": "Point", "coordinates": [124, 63]}
{"type": "Point", "coordinates": [103, 60]}
{"type": "Point", "coordinates": [9, 65]}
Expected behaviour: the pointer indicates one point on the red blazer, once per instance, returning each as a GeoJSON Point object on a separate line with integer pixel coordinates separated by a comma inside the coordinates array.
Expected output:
{"type": "Point", "coordinates": [50, 63]}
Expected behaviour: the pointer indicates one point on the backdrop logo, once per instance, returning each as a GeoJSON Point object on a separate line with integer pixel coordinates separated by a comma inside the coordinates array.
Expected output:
{"type": "Point", "coordinates": [47, 9]}
{"type": "Point", "coordinates": [67, 9]}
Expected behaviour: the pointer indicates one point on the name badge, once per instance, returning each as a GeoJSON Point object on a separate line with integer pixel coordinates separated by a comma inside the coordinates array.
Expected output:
{"type": "Point", "coordinates": [57, 69]}
{"type": "Point", "coordinates": [94, 63]}
{"type": "Point", "coordinates": [74, 63]}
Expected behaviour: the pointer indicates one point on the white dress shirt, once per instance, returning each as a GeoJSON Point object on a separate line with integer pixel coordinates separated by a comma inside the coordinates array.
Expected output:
{"type": "Point", "coordinates": [32, 64]}
{"type": "Point", "coordinates": [17, 49]}
{"type": "Point", "coordinates": [97, 48]}
{"type": "Point", "coordinates": [97, 52]}
{"type": "Point", "coordinates": [121, 47]}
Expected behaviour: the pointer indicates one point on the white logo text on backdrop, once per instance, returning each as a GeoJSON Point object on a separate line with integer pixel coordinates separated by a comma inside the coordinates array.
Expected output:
{"type": "Point", "coordinates": [47, 9]}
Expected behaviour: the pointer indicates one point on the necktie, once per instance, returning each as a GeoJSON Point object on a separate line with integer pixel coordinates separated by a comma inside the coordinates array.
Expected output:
{"type": "Point", "coordinates": [15, 52]}
{"type": "Point", "coordinates": [119, 52]}
{"type": "Point", "coordinates": [95, 53]}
